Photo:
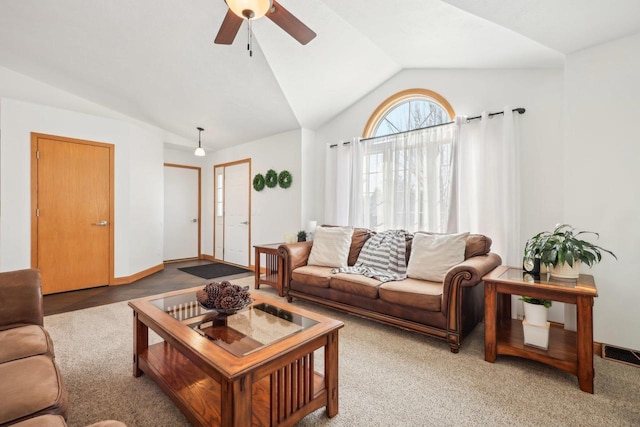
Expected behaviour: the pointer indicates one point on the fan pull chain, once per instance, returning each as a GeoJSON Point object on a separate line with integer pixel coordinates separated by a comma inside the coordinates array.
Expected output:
{"type": "Point", "coordinates": [250, 38]}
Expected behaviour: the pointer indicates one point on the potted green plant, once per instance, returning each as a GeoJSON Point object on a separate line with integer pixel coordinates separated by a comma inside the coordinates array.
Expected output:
{"type": "Point", "coordinates": [562, 251]}
{"type": "Point", "coordinates": [535, 310]}
{"type": "Point", "coordinates": [302, 236]}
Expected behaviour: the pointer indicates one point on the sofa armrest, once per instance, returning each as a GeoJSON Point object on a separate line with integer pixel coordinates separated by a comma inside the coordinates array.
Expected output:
{"type": "Point", "coordinates": [294, 255]}
{"type": "Point", "coordinates": [20, 298]}
{"type": "Point", "coordinates": [468, 273]}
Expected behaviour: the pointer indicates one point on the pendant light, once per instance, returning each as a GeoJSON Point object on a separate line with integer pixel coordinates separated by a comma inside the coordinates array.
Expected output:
{"type": "Point", "coordinates": [199, 151]}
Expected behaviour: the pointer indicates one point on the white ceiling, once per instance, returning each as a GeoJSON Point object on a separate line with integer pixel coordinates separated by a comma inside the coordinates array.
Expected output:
{"type": "Point", "coordinates": [155, 60]}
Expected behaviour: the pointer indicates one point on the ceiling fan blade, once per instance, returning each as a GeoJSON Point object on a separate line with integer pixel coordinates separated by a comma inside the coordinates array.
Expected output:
{"type": "Point", "coordinates": [292, 25]}
{"type": "Point", "coordinates": [229, 28]}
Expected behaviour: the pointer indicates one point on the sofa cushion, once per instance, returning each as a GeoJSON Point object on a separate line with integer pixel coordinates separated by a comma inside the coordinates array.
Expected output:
{"type": "Point", "coordinates": [331, 246]}
{"type": "Point", "coordinates": [43, 421]}
{"type": "Point", "coordinates": [24, 341]}
{"type": "Point", "coordinates": [31, 386]}
{"type": "Point", "coordinates": [413, 293]}
{"type": "Point", "coordinates": [313, 275]}
{"type": "Point", "coordinates": [58, 421]}
{"type": "Point", "coordinates": [432, 255]}
{"type": "Point", "coordinates": [356, 284]}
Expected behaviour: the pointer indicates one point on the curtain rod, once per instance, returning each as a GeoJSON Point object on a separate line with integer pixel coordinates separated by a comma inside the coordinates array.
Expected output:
{"type": "Point", "coordinates": [519, 110]}
{"type": "Point", "coordinates": [515, 110]}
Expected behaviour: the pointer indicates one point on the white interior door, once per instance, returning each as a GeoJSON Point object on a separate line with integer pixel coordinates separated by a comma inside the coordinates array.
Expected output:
{"type": "Point", "coordinates": [181, 212]}
{"type": "Point", "coordinates": [236, 213]}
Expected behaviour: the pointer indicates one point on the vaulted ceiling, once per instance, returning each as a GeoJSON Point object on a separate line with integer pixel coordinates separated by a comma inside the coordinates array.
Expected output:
{"type": "Point", "coordinates": [155, 60]}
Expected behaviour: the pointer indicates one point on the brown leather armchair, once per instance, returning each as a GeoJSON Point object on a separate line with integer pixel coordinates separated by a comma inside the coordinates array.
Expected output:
{"type": "Point", "coordinates": [31, 381]}
{"type": "Point", "coordinates": [31, 389]}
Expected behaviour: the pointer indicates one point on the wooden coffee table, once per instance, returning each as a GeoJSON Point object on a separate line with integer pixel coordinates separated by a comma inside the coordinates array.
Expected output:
{"type": "Point", "coordinates": [256, 367]}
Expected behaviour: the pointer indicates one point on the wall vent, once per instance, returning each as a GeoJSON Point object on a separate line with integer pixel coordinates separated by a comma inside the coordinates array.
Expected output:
{"type": "Point", "coordinates": [619, 354]}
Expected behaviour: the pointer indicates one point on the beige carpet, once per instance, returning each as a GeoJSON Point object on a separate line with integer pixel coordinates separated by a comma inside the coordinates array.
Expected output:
{"type": "Point", "coordinates": [388, 377]}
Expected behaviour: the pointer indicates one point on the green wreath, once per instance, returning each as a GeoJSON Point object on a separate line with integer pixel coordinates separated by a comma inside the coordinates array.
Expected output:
{"type": "Point", "coordinates": [284, 179]}
{"type": "Point", "coordinates": [258, 182]}
{"type": "Point", "coordinates": [271, 178]}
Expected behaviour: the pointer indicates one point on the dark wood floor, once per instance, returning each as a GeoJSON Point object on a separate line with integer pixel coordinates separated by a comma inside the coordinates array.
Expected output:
{"type": "Point", "coordinates": [169, 279]}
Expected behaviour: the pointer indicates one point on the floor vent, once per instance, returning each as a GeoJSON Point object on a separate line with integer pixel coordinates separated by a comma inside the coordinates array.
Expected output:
{"type": "Point", "coordinates": [624, 355]}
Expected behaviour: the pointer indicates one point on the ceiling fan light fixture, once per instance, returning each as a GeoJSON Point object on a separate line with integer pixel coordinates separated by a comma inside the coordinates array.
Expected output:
{"type": "Point", "coordinates": [199, 151]}
{"type": "Point", "coordinates": [249, 9]}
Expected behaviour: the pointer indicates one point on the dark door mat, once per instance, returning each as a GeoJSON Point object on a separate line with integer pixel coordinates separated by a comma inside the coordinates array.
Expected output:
{"type": "Point", "coordinates": [213, 270]}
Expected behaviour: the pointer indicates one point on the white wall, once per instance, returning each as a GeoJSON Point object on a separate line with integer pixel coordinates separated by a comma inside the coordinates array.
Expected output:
{"type": "Point", "coordinates": [312, 197]}
{"type": "Point", "coordinates": [274, 211]}
{"type": "Point", "coordinates": [138, 181]}
{"type": "Point", "coordinates": [601, 175]}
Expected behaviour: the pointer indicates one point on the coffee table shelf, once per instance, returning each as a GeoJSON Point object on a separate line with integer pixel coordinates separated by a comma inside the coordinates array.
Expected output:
{"type": "Point", "coordinates": [193, 391]}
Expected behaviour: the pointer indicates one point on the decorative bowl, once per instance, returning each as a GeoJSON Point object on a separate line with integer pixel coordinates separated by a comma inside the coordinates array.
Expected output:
{"type": "Point", "coordinates": [227, 311]}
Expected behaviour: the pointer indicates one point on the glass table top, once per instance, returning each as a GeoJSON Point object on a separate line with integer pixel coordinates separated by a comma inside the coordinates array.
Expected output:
{"type": "Point", "coordinates": [543, 278]}
{"type": "Point", "coordinates": [242, 333]}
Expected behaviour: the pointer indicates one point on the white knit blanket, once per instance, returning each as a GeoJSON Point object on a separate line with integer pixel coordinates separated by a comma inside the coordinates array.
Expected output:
{"type": "Point", "coordinates": [383, 257]}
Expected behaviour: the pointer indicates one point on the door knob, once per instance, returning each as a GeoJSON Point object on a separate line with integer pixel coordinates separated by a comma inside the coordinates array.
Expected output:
{"type": "Point", "coordinates": [102, 223]}
{"type": "Point", "coordinates": [194, 220]}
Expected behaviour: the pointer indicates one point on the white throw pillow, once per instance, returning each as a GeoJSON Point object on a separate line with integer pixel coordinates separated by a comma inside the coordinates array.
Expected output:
{"type": "Point", "coordinates": [331, 246]}
{"type": "Point", "coordinates": [432, 255]}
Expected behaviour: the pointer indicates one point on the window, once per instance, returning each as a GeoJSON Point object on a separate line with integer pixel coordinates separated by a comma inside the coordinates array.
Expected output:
{"type": "Point", "coordinates": [406, 171]}
{"type": "Point", "coordinates": [408, 110]}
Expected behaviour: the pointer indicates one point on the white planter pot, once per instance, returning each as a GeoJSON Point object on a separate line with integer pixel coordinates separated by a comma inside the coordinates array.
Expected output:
{"type": "Point", "coordinates": [535, 314]}
{"type": "Point", "coordinates": [565, 271]}
{"type": "Point", "coordinates": [537, 336]}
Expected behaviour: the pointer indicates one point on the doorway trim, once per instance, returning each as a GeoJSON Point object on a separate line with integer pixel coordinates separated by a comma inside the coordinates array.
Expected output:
{"type": "Point", "coordinates": [224, 165]}
{"type": "Point", "coordinates": [34, 194]}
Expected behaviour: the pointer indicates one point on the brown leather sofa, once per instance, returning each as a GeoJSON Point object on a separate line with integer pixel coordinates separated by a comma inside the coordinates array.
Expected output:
{"type": "Point", "coordinates": [448, 310]}
{"type": "Point", "coordinates": [32, 392]}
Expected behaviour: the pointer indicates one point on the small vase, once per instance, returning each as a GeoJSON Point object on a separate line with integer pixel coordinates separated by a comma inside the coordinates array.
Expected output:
{"type": "Point", "coordinates": [536, 314]}
{"type": "Point", "coordinates": [565, 271]}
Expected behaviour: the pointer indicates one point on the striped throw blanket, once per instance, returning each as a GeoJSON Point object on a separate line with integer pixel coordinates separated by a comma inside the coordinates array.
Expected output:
{"type": "Point", "coordinates": [382, 257]}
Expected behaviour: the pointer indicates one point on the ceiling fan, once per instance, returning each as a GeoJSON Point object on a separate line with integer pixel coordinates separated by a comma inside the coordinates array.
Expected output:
{"type": "Point", "coordinates": [240, 10]}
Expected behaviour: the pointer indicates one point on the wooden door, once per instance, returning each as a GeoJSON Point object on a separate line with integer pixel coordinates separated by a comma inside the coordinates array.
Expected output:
{"type": "Point", "coordinates": [181, 212]}
{"type": "Point", "coordinates": [72, 212]}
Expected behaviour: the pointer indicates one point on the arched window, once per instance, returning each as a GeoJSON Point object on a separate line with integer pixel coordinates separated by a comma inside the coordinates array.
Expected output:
{"type": "Point", "coordinates": [408, 110]}
{"type": "Point", "coordinates": [403, 166]}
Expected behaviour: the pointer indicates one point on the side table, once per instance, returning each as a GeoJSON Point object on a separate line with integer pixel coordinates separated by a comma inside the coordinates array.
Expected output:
{"type": "Point", "coordinates": [273, 267]}
{"type": "Point", "coordinates": [571, 351]}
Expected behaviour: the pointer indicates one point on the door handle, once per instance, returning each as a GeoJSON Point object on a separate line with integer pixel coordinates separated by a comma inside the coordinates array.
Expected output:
{"type": "Point", "coordinates": [102, 223]}
{"type": "Point", "coordinates": [244, 222]}
{"type": "Point", "coordinates": [194, 220]}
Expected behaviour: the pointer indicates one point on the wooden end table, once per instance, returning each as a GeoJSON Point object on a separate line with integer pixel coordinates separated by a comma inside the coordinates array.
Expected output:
{"type": "Point", "coordinates": [571, 351]}
{"type": "Point", "coordinates": [273, 267]}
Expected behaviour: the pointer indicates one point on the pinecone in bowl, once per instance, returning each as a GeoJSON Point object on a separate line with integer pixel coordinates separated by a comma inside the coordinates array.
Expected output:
{"type": "Point", "coordinates": [224, 296]}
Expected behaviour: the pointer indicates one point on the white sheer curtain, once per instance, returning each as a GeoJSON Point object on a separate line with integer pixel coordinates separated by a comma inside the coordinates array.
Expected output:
{"type": "Point", "coordinates": [404, 181]}
{"type": "Point", "coordinates": [338, 182]}
{"type": "Point", "coordinates": [449, 178]}
{"type": "Point", "coordinates": [488, 183]}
